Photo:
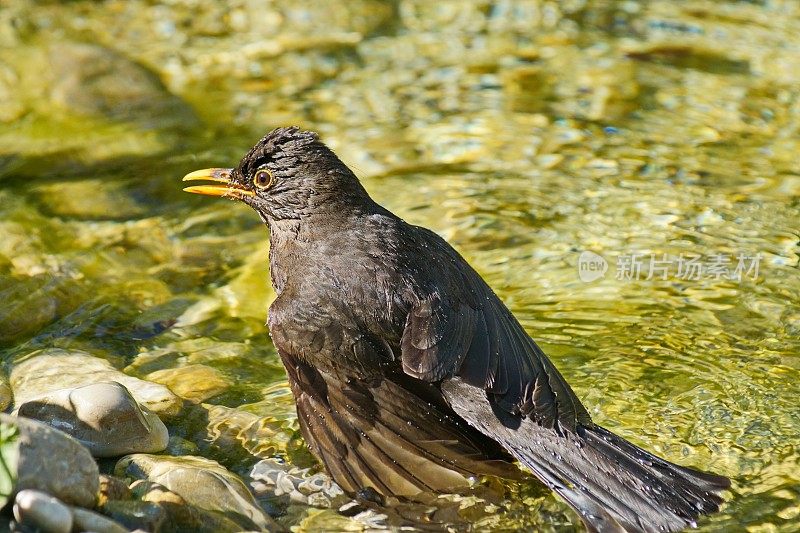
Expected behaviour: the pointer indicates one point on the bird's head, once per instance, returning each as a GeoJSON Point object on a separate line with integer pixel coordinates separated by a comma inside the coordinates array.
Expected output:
{"type": "Point", "coordinates": [288, 175]}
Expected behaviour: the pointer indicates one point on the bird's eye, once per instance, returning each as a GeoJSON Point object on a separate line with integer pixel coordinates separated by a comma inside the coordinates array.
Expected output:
{"type": "Point", "coordinates": [263, 179]}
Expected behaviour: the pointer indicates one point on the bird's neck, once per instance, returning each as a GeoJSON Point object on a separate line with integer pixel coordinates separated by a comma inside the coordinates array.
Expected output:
{"type": "Point", "coordinates": [283, 237]}
{"type": "Point", "coordinates": [292, 240]}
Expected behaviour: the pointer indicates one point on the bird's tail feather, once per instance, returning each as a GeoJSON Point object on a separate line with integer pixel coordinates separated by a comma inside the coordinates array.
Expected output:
{"type": "Point", "coordinates": [614, 485]}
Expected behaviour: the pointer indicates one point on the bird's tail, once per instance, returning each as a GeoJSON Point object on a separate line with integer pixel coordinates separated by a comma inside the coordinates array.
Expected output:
{"type": "Point", "coordinates": [614, 485]}
{"type": "Point", "coordinates": [617, 486]}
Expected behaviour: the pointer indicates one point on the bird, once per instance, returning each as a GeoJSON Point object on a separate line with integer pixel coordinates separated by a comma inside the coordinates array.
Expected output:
{"type": "Point", "coordinates": [409, 374]}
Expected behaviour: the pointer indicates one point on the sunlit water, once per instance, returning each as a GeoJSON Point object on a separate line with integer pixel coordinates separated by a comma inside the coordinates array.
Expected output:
{"type": "Point", "coordinates": [524, 133]}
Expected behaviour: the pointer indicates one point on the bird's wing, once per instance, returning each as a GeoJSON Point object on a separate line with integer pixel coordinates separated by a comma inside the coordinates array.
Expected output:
{"type": "Point", "coordinates": [394, 434]}
{"type": "Point", "coordinates": [460, 335]}
{"type": "Point", "coordinates": [458, 327]}
{"type": "Point", "coordinates": [376, 434]}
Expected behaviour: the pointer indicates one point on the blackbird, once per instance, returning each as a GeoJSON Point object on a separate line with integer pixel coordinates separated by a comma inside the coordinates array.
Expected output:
{"type": "Point", "coordinates": [409, 374]}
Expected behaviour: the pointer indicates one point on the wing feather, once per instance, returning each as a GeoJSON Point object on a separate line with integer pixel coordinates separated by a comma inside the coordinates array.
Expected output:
{"type": "Point", "coordinates": [378, 433]}
{"type": "Point", "coordinates": [458, 327]}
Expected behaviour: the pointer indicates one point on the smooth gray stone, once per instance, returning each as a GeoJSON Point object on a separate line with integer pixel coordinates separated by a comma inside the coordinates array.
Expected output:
{"type": "Point", "coordinates": [104, 417]}
{"type": "Point", "coordinates": [50, 461]}
{"type": "Point", "coordinates": [37, 510]}
{"type": "Point", "coordinates": [54, 369]}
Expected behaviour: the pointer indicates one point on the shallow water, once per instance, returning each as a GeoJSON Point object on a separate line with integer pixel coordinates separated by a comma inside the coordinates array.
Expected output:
{"type": "Point", "coordinates": [525, 133]}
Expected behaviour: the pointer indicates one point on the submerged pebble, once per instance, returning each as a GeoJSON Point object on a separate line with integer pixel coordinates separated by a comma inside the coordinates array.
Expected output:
{"type": "Point", "coordinates": [134, 514]}
{"type": "Point", "coordinates": [95, 80]}
{"type": "Point", "coordinates": [104, 417]}
{"type": "Point", "coordinates": [85, 520]}
{"type": "Point", "coordinates": [88, 199]}
{"type": "Point", "coordinates": [30, 306]}
{"type": "Point", "coordinates": [196, 383]}
{"type": "Point", "coordinates": [181, 516]}
{"type": "Point", "coordinates": [234, 436]}
{"type": "Point", "coordinates": [200, 482]}
{"type": "Point", "coordinates": [113, 488]}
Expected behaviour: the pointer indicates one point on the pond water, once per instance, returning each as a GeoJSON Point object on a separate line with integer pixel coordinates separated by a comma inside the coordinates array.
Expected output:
{"type": "Point", "coordinates": [523, 132]}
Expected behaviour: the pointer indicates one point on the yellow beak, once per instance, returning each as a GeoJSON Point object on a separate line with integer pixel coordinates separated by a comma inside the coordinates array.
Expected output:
{"type": "Point", "coordinates": [219, 175]}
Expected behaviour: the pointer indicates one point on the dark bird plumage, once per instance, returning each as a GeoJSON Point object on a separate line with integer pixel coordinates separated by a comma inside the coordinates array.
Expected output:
{"type": "Point", "coordinates": [409, 373]}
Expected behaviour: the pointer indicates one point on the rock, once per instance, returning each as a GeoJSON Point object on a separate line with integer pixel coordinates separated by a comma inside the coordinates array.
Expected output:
{"type": "Point", "coordinates": [113, 488]}
{"type": "Point", "coordinates": [184, 517]}
{"type": "Point", "coordinates": [48, 460]}
{"type": "Point", "coordinates": [200, 482]}
{"type": "Point", "coordinates": [93, 80]}
{"type": "Point", "coordinates": [181, 446]}
{"type": "Point", "coordinates": [104, 417]}
{"type": "Point", "coordinates": [602, 87]}
{"type": "Point", "coordinates": [6, 397]}
{"type": "Point", "coordinates": [136, 515]}
{"type": "Point", "coordinates": [53, 369]}
{"type": "Point", "coordinates": [150, 491]}
{"type": "Point", "coordinates": [330, 520]}
{"type": "Point", "coordinates": [21, 242]}
{"type": "Point", "coordinates": [40, 511]}
{"type": "Point", "coordinates": [199, 312]}
{"type": "Point", "coordinates": [196, 350]}
{"type": "Point", "coordinates": [144, 243]}
{"type": "Point", "coordinates": [84, 98]}
{"type": "Point", "coordinates": [95, 199]}
{"type": "Point", "coordinates": [196, 383]}
{"type": "Point", "coordinates": [28, 309]}
{"type": "Point", "coordinates": [10, 107]}
{"type": "Point", "coordinates": [90, 521]}
{"type": "Point", "coordinates": [235, 43]}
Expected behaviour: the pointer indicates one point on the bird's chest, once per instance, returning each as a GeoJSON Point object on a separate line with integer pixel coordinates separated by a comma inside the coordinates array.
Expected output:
{"type": "Point", "coordinates": [339, 308]}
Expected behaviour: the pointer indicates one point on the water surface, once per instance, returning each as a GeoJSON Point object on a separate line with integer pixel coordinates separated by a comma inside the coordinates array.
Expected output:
{"type": "Point", "coordinates": [525, 133]}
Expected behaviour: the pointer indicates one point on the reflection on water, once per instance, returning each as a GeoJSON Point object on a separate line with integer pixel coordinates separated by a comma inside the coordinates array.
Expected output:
{"type": "Point", "coordinates": [525, 133]}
